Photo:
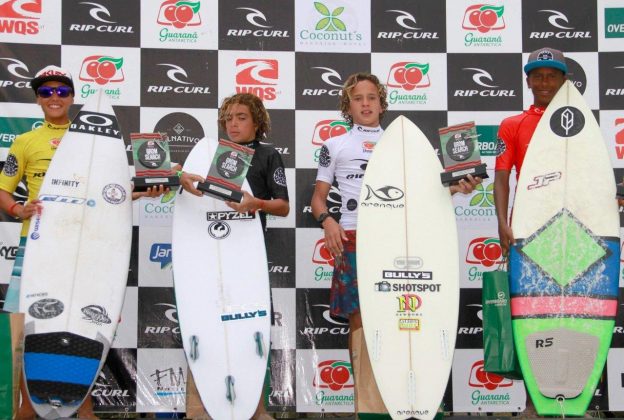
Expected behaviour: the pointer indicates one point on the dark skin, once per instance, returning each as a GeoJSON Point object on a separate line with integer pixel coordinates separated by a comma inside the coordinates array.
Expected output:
{"type": "Point", "coordinates": [544, 83]}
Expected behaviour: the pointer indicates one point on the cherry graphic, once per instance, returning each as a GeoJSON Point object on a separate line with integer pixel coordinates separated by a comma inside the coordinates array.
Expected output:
{"type": "Point", "coordinates": [408, 86]}
{"type": "Point", "coordinates": [337, 130]}
{"type": "Point", "coordinates": [324, 253]}
{"type": "Point", "coordinates": [494, 378]}
{"type": "Point", "coordinates": [184, 13]}
{"type": "Point", "coordinates": [92, 69]}
{"type": "Point", "coordinates": [340, 375]}
{"type": "Point", "coordinates": [324, 132]}
{"type": "Point", "coordinates": [474, 16]}
{"type": "Point", "coordinates": [106, 70]}
{"type": "Point", "coordinates": [100, 81]}
{"type": "Point", "coordinates": [413, 75]}
{"type": "Point", "coordinates": [481, 375]}
{"type": "Point", "coordinates": [399, 75]}
{"type": "Point", "coordinates": [488, 18]}
{"type": "Point", "coordinates": [493, 251]}
{"type": "Point", "coordinates": [479, 251]}
{"type": "Point", "coordinates": [170, 13]}
{"type": "Point", "coordinates": [326, 374]}
{"type": "Point", "coordinates": [483, 29]}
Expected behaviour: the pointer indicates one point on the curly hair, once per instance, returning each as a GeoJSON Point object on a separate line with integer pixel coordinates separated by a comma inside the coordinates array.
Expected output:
{"type": "Point", "coordinates": [257, 110]}
{"type": "Point", "coordinates": [350, 83]}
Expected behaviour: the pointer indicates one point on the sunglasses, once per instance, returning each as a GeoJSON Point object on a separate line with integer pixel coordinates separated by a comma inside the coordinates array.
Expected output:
{"type": "Point", "coordinates": [48, 91]}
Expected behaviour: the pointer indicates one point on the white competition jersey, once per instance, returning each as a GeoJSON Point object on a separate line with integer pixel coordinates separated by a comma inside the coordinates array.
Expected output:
{"type": "Point", "coordinates": [344, 158]}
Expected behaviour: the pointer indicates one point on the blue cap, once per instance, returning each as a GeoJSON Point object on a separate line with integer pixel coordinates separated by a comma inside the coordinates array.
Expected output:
{"type": "Point", "coordinates": [546, 57]}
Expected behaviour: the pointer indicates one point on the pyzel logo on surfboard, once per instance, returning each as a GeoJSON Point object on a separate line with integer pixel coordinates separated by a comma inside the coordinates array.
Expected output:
{"type": "Point", "coordinates": [567, 121]}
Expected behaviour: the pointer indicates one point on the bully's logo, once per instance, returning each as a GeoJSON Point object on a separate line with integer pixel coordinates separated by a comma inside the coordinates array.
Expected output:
{"type": "Point", "coordinates": [179, 13]}
{"type": "Point", "coordinates": [484, 18]}
{"type": "Point", "coordinates": [102, 69]}
{"type": "Point", "coordinates": [408, 75]}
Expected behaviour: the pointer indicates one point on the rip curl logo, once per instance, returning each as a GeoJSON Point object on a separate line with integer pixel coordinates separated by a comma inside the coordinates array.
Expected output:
{"type": "Point", "coordinates": [279, 177]}
{"type": "Point", "coordinates": [114, 194]}
{"type": "Point", "coordinates": [556, 18]}
{"type": "Point", "coordinates": [102, 69]}
{"type": "Point", "coordinates": [179, 14]}
{"type": "Point", "coordinates": [219, 230]}
{"type": "Point", "coordinates": [567, 121]}
{"type": "Point", "coordinates": [97, 11]}
{"type": "Point", "coordinates": [253, 15]}
{"type": "Point", "coordinates": [95, 314]}
{"type": "Point", "coordinates": [46, 308]}
{"type": "Point", "coordinates": [17, 68]}
{"type": "Point", "coordinates": [10, 166]}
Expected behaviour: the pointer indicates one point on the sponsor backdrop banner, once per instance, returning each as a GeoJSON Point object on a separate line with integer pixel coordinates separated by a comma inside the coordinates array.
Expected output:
{"type": "Point", "coordinates": [167, 64]}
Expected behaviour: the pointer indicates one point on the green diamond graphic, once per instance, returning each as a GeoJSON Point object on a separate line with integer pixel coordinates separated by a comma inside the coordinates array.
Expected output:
{"type": "Point", "coordinates": [564, 249]}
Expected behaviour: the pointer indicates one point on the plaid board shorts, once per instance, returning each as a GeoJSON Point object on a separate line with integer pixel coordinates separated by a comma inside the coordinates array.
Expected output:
{"type": "Point", "coordinates": [343, 295]}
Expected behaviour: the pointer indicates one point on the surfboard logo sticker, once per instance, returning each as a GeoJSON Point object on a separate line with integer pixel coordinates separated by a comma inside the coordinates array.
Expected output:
{"type": "Point", "coordinates": [229, 215]}
{"type": "Point", "coordinates": [219, 230]}
{"type": "Point", "coordinates": [383, 286]}
{"type": "Point", "coordinates": [96, 314]}
{"type": "Point", "coordinates": [387, 195]}
{"type": "Point", "coordinates": [409, 324]}
{"type": "Point", "coordinates": [567, 121]}
{"type": "Point", "coordinates": [114, 193]}
{"type": "Point", "coordinates": [408, 262]}
{"type": "Point", "coordinates": [46, 308]}
{"type": "Point", "coordinates": [96, 123]}
{"type": "Point", "coordinates": [35, 233]}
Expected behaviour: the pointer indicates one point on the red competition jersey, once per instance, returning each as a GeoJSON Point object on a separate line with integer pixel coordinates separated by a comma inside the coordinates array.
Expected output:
{"type": "Point", "coordinates": [514, 136]}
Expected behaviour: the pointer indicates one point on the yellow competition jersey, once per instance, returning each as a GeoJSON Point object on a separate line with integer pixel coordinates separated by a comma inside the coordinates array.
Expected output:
{"type": "Point", "coordinates": [29, 158]}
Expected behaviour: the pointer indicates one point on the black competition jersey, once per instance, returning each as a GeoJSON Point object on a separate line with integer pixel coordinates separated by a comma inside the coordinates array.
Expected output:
{"type": "Point", "coordinates": [266, 175]}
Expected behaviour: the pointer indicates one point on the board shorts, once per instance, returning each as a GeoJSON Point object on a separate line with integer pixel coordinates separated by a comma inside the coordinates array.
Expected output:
{"type": "Point", "coordinates": [11, 300]}
{"type": "Point", "coordinates": [343, 295]}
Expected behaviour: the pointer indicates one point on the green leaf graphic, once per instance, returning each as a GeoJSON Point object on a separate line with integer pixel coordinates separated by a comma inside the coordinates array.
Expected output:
{"type": "Point", "coordinates": [322, 24]}
{"type": "Point", "coordinates": [322, 8]}
{"type": "Point", "coordinates": [338, 24]}
{"type": "Point", "coordinates": [337, 11]}
{"type": "Point", "coordinates": [477, 199]}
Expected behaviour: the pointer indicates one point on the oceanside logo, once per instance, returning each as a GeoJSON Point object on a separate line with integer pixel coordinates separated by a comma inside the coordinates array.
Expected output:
{"type": "Point", "coordinates": [102, 16]}
{"type": "Point", "coordinates": [160, 253]}
{"type": "Point", "coordinates": [561, 25]}
{"type": "Point", "coordinates": [486, 85]}
{"type": "Point", "coordinates": [257, 76]}
{"type": "Point", "coordinates": [330, 29]}
{"type": "Point", "coordinates": [20, 17]}
{"type": "Point", "coordinates": [404, 77]}
{"type": "Point", "coordinates": [261, 28]}
{"type": "Point", "coordinates": [178, 14]}
{"type": "Point", "coordinates": [102, 70]}
{"type": "Point", "coordinates": [483, 18]}
{"type": "Point", "coordinates": [18, 70]}
{"type": "Point", "coordinates": [479, 378]}
{"type": "Point", "coordinates": [409, 30]}
{"type": "Point", "coordinates": [178, 75]}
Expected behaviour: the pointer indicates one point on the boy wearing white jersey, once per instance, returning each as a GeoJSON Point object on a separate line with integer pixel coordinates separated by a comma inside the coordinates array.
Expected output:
{"type": "Point", "coordinates": [344, 159]}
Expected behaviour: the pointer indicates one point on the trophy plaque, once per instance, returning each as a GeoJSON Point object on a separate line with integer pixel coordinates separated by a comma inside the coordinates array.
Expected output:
{"type": "Point", "coordinates": [150, 152]}
{"type": "Point", "coordinates": [227, 171]}
{"type": "Point", "coordinates": [460, 153]}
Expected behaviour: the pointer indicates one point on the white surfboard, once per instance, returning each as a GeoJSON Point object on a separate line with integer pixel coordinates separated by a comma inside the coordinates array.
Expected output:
{"type": "Point", "coordinates": [76, 261]}
{"type": "Point", "coordinates": [222, 294]}
{"type": "Point", "coordinates": [408, 274]}
{"type": "Point", "coordinates": [564, 266]}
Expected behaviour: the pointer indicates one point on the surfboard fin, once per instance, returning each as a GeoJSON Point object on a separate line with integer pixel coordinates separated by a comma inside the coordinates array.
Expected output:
{"type": "Point", "coordinates": [230, 394]}
{"type": "Point", "coordinates": [376, 347]}
{"type": "Point", "coordinates": [260, 347]}
{"type": "Point", "coordinates": [194, 352]}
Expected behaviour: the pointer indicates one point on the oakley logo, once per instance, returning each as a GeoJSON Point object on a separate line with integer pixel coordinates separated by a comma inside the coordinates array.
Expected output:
{"type": "Point", "coordinates": [556, 17]}
{"type": "Point", "coordinates": [329, 74]}
{"type": "Point", "coordinates": [479, 75]}
{"type": "Point", "coordinates": [17, 65]}
{"type": "Point", "coordinates": [174, 72]}
{"type": "Point", "coordinates": [253, 15]}
{"type": "Point", "coordinates": [403, 18]}
{"type": "Point", "coordinates": [97, 10]}
{"type": "Point", "coordinates": [96, 119]}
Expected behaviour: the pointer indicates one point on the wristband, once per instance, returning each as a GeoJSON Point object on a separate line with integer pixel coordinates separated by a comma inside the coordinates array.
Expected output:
{"type": "Point", "coordinates": [11, 212]}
